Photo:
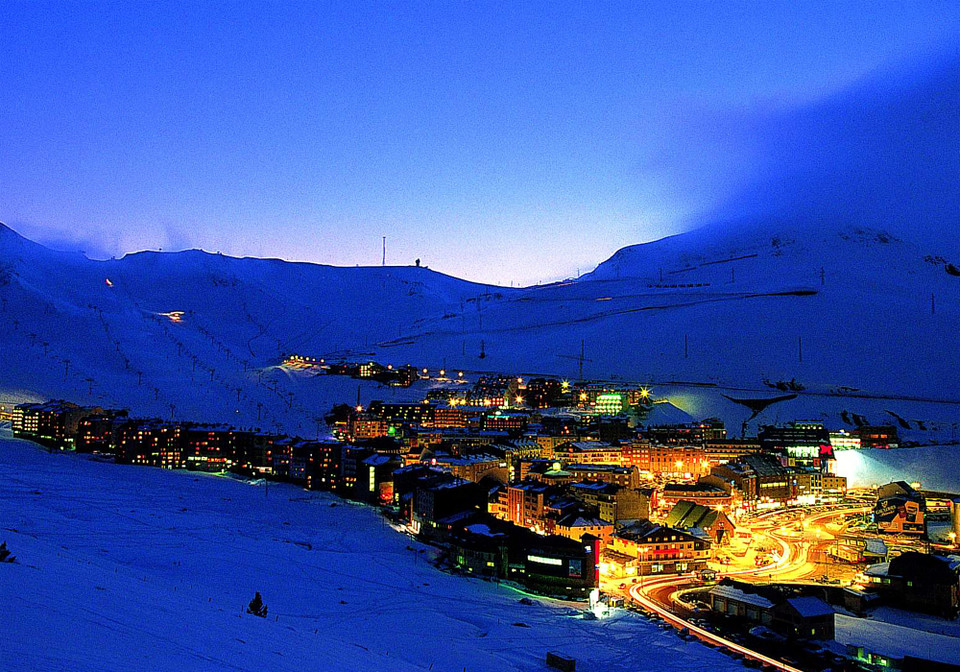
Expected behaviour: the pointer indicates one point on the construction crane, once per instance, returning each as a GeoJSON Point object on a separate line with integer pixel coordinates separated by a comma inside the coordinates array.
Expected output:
{"type": "Point", "coordinates": [579, 358]}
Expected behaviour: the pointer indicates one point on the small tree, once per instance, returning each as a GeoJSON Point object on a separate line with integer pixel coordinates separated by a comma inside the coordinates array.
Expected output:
{"type": "Point", "coordinates": [257, 607]}
{"type": "Point", "coordinates": [5, 554]}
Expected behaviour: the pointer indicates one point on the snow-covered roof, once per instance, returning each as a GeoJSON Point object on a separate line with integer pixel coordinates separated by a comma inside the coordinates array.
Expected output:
{"type": "Point", "coordinates": [810, 607]}
{"type": "Point", "coordinates": [378, 459]}
{"type": "Point", "coordinates": [483, 529]}
{"type": "Point", "coordinates": [468, 459]}
{"type": "Point", "coordinates": [582, 521]}
{"type": "Point", "coordinates": [595, 485]}
{"type": "Point", "coordinates": [895, 641]}
{"type": "Point", "coordinates": [731, 593]}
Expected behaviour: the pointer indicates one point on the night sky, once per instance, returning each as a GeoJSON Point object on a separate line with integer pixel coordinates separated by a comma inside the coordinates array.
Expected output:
{"type": "Point", "coordinates": [503, 142]}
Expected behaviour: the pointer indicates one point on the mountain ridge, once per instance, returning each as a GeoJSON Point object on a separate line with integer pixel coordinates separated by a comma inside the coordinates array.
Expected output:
{"type": "Point", "coordinates": [851, 308]}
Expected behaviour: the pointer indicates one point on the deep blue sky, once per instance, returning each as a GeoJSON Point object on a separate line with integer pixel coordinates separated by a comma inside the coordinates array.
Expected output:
{"type": "Point", "coordinates": [496, 141]}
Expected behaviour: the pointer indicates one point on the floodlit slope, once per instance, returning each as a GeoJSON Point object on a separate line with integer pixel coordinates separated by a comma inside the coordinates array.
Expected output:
{"type": "Point", "coordinates": [130, 568]}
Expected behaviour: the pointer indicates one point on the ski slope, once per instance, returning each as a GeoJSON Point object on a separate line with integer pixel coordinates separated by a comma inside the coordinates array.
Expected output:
{"type": "Point", "coordinates": [863, 321]}
{"type": "Point", "coordinates": [129, 568]}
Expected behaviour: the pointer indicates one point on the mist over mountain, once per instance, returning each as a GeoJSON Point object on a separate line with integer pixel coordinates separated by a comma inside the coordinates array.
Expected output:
{"type": "Point", "coordinates": [884, 154]}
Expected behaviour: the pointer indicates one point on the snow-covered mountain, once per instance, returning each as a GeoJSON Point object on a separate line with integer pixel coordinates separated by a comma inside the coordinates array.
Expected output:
{"type": "Point", "coordinates": [840, 311]}
{"type": "Point", "coordinates": [190, 329]}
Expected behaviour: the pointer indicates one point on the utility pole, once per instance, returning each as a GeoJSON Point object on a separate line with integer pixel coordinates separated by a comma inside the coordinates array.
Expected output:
{"type": "Point", "coordinates": [581, 358]}
{"type": "Point", "coordinates": [933, 304]}
{"type": "Point", "coordinates": [384, 261]}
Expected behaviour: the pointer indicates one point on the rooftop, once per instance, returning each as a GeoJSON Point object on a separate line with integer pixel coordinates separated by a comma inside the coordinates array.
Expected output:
{"type": "Point", "coordinates": [731, 593]}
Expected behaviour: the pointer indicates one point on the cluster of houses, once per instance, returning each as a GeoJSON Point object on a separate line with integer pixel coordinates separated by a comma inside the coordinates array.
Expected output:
{"type": "Point", "coordinates": [482, 481]}
{"type": "Point", "coordinates": [402, 376]}
{"type": "Point", "coordinates": [548, 501]}
{"type": "Point", "coordinates": [594, 492]}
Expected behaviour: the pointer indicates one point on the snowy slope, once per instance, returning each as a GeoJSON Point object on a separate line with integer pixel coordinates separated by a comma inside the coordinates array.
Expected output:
{"type": "Point", "coordinates": [130, 568]}
{"type": "Point", "coordinates": [874, 316]}
{"type": "Point", "coordinates": [71, 333]}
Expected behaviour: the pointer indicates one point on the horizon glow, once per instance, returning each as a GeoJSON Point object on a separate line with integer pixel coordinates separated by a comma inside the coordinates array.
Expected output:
{"type": "Point", "coordinates": [501, 144]}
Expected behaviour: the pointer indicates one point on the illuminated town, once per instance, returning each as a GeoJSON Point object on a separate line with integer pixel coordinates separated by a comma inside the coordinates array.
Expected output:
{"type": "Point", "coordinates": [752, 545]}
{"type": "Point", "coordinates": [371, 336]}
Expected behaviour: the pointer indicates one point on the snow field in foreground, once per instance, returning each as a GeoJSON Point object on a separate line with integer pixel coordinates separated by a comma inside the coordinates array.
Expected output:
{"type": "Point", "coordinates": [127, 568]}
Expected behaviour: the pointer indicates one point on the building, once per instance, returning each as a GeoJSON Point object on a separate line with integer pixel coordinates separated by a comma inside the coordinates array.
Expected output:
{"type": "Point", "coordinates": [95, 433]}
{"type": "Point", "coordinates": [317, 465]}
{"type": "Point", "coordinates": [806, 444]}
{"type": "Point", "coordinates": [206, 448]}
{"type": "Point", "coordinates": [554, 565]}
{"type": "Point", "coordinates": [647, 548]}
{"type": "Point", "coordinates": [495, 391]}
{"type": "Point", "coordinates": [53, 423]}
{"type": "Point", "coordinates": [856, 549]}
{"type": "Point", "coordinates": [437, 506]}
{"type": "Point", "coordinates": [351, 468]}
{"type": "Point", "coordinates": [674, 459]}
{"type": "Point", "coordinates": [760, 481]}
{"type": "Point", "coordinates": [700, 492]}
{"type": "Point", "coordinates": [614, 503]}
{"type": "Point", "coordinates": [689, 516]}
{"type": "Point", "coordinates": [719, 451]}
{"type": "Point", "coordinates": [377, 484]}
{"type": "Point", "coordinates": [799, 616]}
{"type": "Point", "coordinates": [545, 564]}
{"type": "Point", "coordinates": [885, 646]}
{"type": "Point", "coordinates": [401, 412]}
{"type": "Point", "coordinates": [690, 434]}
{"type": "Point", "coordinates": [280, 456]}
{"type": "Point", "coordinates": [627, 477]}
{"type": "Point", "coordinates": [481, 548]}
{"type": "Point", "coordinates": [525, 503]}
{"type": "Point", "coordinates": [474, 467]}
{"type": "Point", "coordinates": [505, 421]}
{"type": "Point", "coordinates": [578, 524]}
{"type": "Point", "coordinates": [588, 452]}
{"type": "Point", "coordinates": [844, 440]}
{"type": "Point", "coordinates": [804, 617]}
{"type": "Point", "coordinates": [737, 602]}
{"type": "Point", "coordinates": [883, 436]}
{"type": "Point", "coordinates": [900, 509]}
{"type": "Point", "coordinates": [366, 426]}
{"type": "Point", "coordinates": [918, 582]}
{"type": "Point", "coordinates": [251, 450]}
{"type": "Point", "coordinates": [154, 444]}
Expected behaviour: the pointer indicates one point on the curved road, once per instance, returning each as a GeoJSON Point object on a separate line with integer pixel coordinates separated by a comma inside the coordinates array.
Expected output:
{"type": "Point", "coordinates": [656, 593]}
